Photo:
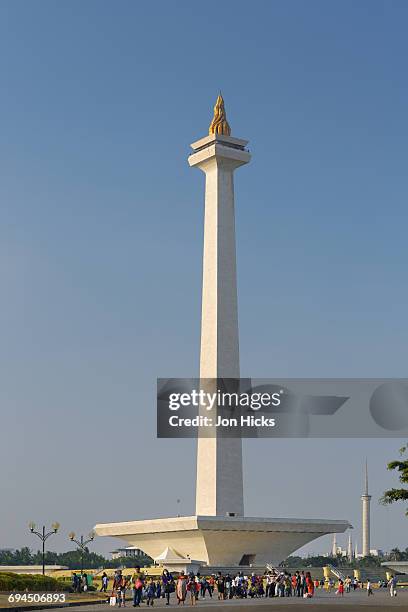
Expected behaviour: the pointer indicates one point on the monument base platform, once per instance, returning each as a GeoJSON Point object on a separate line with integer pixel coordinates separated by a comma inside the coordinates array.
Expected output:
{"type": "Point", "coordinates": [227, 542]}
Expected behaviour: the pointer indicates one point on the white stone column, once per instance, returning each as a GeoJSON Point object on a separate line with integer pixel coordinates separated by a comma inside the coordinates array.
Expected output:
{"type": "Point", "coordinates": [334, 546]}
{"type": "Point", "coordinates": [366, 524]}
{"type": "Point", "coordinates": [366, 499]}
{"type": "Point", "coordinates": [219, 489]}
{"type": "Point", "coordinates": [350, 548]}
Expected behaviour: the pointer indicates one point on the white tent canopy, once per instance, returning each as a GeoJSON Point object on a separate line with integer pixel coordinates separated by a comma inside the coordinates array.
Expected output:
{"type": "Point", "coordinates": [169, 555]}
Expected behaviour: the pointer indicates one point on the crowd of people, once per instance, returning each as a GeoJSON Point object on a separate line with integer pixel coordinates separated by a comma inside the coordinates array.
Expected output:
{"type": "Point", "coordinates": [81, 582]}
{"type": "Point", "coordinates": [144, 588]}
{"type": "Point", "coordinates": [191, 587]}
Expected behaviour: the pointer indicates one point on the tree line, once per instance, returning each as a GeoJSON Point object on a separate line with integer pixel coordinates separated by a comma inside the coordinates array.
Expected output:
{"type": "Point", "coordinates": [343, 562]}
{"type": "Point", "coordinates": [71, 559]}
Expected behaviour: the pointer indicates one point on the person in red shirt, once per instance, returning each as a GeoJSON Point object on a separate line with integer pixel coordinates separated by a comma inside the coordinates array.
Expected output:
{"type": "Point", "coordinates": [309, 585]}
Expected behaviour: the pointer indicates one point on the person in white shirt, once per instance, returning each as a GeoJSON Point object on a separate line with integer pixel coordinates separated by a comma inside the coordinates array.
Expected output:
{"type": "Point", "coordinates": [393, 586]}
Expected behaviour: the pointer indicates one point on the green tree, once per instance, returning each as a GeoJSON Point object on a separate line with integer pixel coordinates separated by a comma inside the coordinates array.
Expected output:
{"type": "Point", "coordinates": [311, 561]}
{"type": "Point", "coordinates": [16, 557]}
{"type": "Point", "coordinates": [141, 561]}
{"type": "Point", "coordinates": [401, 494]}
{"type": "Point", "coordinates": [395, 554]}
{"type": "Point", "coordinates": [71, 559]}
{"type": "Point", "coordinates": [368, 562]}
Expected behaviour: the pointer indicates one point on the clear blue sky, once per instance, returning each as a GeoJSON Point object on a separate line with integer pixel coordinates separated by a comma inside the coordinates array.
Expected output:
{"type": "Point", "coordinates": [101, 237]}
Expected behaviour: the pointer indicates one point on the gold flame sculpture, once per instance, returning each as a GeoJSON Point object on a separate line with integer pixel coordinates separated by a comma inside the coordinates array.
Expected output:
{"type": "Point", "coordinates": [219, 124]}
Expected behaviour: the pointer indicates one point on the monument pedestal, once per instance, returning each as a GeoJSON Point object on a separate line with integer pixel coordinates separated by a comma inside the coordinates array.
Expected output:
{"type": "Point", "coordinates": [220, 541]}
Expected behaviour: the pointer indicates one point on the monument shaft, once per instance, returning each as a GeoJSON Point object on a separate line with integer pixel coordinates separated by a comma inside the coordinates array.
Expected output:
{"type": "Point", "coordinates": [219, 490]}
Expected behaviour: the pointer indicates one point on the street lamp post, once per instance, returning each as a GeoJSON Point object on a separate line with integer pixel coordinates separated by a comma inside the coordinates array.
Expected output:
{"type": "Point", "coordinates": [43, 537]}
{"type": "Point", "coordinates": [81, 543]}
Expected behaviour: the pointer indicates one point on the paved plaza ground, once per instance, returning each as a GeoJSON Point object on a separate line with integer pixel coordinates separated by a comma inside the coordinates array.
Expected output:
{"type": "Point", "coordinates": [323, 601]}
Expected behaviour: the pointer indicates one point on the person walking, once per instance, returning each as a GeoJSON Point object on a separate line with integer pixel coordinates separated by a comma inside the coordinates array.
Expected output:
{"type": "Point", "coordinates": [117, 576]}
{"type": "Point", "coordinates": [228, 586]}
{"type": "Point", "coordinates": [203, 586]}
{"type": "Point", "coordinates": [392, 583]}
{"type": "Point", "coordinates": [137, 582]}
{"type": "Point", "coordinates": [84, 581]}
{"type": "Point", "coordinates": [267, 584]}
{"type": "Point", "coordinates": [75, 582]}
{"type": "Point", "coordinates": [282, 585]}
{"type": "Point", "coordinates": [192, 589]}
{"type": "Point", "coordinates": [104, 582]}
{"type": "Point", "coordinates": [287, 585]}
{"type": "Point", "coordinates": [309, 585]}
{"type": "Point", "coordinates": [272, 586]}
{"type": "Point", "coordinates": [168, 585]}
{"type": "Point", "coordinates": [296, 582]}
{"type": "Point", "coordinates": [233, 586]}
{"type": "Point", "coordinates": [181, 589]}
{"type": "Point", "coordinates": [221, 586]}
{"type": "Point", "coordinates": [150, 592]}
{"type": "Point", "coordinates": [369, 588]}
{"type": "Point", "coordinates": [121, 587]}
{"type": "Point", "coordinates": [302, 584]}
{"type": "Point", "coordinates": [340, 590]}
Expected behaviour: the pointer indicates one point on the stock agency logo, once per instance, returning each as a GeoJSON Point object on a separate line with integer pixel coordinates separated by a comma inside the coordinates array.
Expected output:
{"type": "Point", "coordinates": [212, 408]}
{"type": "Point", "coordinates": [394, 396]}
{"type": "Point", "coordinates": [255, 408]}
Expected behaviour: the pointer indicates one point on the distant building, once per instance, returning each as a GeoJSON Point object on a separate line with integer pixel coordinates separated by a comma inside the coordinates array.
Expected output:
{"type": "Point", "coordinates": [376, 552]}
{"type": "Point", "coordinates": [129, 551]}
{"type": "Point", "coordinates": [337, 551]}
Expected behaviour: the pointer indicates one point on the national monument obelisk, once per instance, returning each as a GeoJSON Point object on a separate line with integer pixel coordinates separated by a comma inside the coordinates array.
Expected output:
{"type": "Point", "coordinates": [219, 460]}
{"type": "Point", "coordinates": [218, 535]}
